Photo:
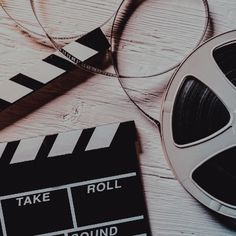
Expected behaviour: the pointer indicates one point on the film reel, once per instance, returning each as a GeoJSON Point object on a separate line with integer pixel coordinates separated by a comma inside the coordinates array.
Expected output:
{"type": "Point", "coordinates": [198, 124]}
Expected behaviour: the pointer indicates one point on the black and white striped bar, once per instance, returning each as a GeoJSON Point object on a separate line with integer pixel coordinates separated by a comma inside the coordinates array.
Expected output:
{"type": "Point", "coordinates": [83, 182]}
{"type": "Point", "coordinates": [61, 144]}
{"type": "Point", "coordinates": [50, 68]}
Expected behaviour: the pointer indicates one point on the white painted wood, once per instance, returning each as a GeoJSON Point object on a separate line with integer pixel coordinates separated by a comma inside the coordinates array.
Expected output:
{"type": "Point", "coordinates": [83, 100]}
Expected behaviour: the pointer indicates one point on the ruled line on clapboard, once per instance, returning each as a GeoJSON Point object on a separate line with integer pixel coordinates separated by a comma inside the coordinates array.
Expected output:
{"type": "Point", "coordinates": [83, 183]}
{"type": "Point", "coordinates": [99, 225]}
{"type": "Point", "coordinates": [72, 208]}
{"type": "Point", "coordinates": [140, 235]}
{"type": "Point", "coordinates": [2, 221]}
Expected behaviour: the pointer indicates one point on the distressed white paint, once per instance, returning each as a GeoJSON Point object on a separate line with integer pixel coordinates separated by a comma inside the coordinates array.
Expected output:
{"type": "Point", "coordinates": [99, 100]}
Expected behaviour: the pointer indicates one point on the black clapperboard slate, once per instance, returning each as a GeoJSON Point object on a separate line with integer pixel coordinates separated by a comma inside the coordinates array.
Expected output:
{"type": "Point", "coordinates": [79, 183]}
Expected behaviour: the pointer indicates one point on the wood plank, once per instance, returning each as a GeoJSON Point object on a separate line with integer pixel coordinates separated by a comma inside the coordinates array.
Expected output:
{"type": "Point", "coordinates": [82, 100]}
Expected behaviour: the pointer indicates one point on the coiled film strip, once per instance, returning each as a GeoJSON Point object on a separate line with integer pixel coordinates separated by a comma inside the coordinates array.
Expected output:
{"type": "Point", "coordinates": [125, 8]}
{"type": "Point", "coordinates": [82, 182]}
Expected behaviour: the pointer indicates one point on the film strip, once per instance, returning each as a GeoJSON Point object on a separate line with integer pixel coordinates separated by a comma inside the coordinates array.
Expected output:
{"type": "Point", "coordinates": [122, 13]}
{"type": "Point", "coordinates": [82, 182]}
{"type": "Point", "coordinates": [33, 78]}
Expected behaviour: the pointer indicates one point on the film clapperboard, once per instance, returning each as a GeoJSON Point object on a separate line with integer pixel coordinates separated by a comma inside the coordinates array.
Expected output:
{"type": "Point", "coordinates": [79, 183]}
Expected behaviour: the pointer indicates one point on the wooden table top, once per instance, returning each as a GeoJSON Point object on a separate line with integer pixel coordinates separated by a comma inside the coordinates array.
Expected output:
{"type": "Point", "coordinates": [87, 100]}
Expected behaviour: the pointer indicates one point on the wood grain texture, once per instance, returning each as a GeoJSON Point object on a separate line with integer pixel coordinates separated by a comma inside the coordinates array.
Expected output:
{"type": "Point", "coordinates": [83, 100]}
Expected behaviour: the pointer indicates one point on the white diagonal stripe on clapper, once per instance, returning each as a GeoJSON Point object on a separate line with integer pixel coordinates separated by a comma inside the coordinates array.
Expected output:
{"type": "Point", "coordinates": [27, 150]}
{"type": "Point", "coordinates": [10, 91]}
{"type": "Point", "coordinates": [102, 137]}
{"type": "Point", "coordinates": [43, 72]}
{"type": "Point", "coordinates": [80, 51]}
{"type": "Point", "coordinates": [65, 143]}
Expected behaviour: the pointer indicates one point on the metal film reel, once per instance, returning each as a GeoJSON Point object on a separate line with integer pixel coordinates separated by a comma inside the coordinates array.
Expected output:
{"type": "Point", "coordinates": [198, 124]}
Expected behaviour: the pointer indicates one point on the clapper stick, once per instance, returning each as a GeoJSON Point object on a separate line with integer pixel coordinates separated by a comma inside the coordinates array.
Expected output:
{"type": "Point", "coordinates": [51, 68]}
